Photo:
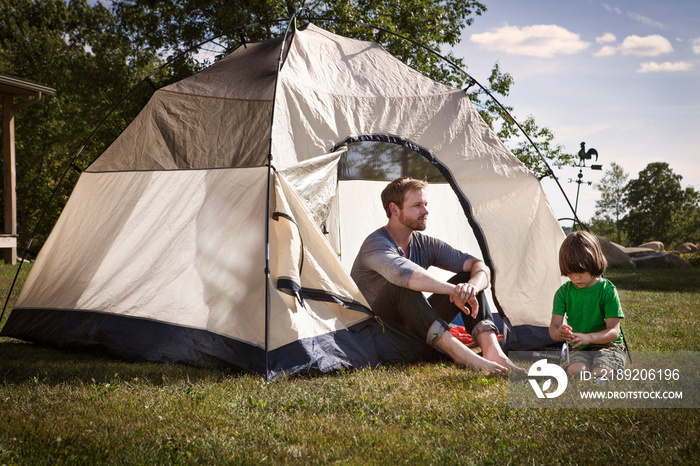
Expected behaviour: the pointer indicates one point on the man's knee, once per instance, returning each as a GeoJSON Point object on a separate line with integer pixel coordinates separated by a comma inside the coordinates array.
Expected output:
{"type": "Point", "coordinates": [410, 310]}
{"type": "Point", "coordinates": [436, 330]}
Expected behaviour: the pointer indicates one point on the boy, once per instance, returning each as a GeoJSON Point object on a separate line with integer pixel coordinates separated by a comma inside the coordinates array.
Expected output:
{"type": "Point", "coordinates": [592, 308]}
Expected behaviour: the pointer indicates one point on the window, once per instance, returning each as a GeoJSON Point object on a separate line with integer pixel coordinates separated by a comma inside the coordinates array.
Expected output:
{"type": "Point", "coordinates": [369, 158]}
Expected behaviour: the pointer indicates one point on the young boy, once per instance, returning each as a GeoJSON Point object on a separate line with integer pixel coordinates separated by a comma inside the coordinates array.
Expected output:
{"type": "Point", "coordinates": [592, 308]}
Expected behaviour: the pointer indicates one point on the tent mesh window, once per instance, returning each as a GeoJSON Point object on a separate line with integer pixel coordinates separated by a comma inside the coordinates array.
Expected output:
{"type": "Point", "coordinates": [385, 161]}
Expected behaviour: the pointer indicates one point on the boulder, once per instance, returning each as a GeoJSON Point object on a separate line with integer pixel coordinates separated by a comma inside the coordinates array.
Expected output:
{"type": "Point", "coordinates": [614, 254]}
{"type": "Point", "coordinates": [687, 248]}
{"type": "Point", "coordinates": [656, 246]}
{"type": "Point", "coordinates": [661, 260]}
{"type": "Point", "coordinates": [634, 252]}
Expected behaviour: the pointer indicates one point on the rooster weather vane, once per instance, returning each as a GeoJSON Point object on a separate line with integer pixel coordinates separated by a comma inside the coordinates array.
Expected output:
{"type": "Point", "coordinates": [584, 155]}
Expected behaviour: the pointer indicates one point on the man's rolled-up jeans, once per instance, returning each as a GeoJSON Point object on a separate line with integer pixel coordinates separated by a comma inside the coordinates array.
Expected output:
{"type": "Point", "coordinates": [426, 319]}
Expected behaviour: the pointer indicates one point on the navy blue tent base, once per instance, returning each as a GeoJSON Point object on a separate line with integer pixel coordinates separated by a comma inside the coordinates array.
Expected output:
{"type": "Point", "coordinates": [528, 338]}
{"type": "Point", "coordinates": [135, 339]}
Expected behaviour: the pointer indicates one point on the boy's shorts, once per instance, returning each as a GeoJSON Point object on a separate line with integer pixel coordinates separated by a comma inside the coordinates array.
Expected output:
{"type": "Point", "coordinates": [610, 356]}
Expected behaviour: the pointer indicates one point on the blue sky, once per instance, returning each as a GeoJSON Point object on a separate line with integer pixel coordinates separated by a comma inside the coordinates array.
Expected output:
{"type": "Point", "coordinates": [621, 76]}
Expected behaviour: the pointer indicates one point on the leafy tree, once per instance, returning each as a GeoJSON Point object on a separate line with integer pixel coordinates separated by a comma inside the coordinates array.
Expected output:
{"type": "Point", "coordinates": [605, 229]}
{"type": "Point", "coordinates": [658, 206]}
{"type": "Point", "coordinates": [375, 160]}
{"type": "Point", "coordinates": [686, 221]}
{"type": "Point", "coordinates": [76, 49]}
{"type": "Point", "coordinates": [611, 207]}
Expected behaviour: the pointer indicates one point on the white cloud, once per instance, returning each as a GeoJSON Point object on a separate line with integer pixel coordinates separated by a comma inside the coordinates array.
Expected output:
{"type": "Point", "coordinates": [696, 46]}
{"type": "Point", "coordinates": [606, 38]}
{"type": "Point", "coordinates": [653, 67]}
{"type": "Point", "coordinates": [544, 41]}
{"type": "Point", "coordinates": [649, 46]}
{"type": "Point", "coordinates": [606, 51]}
{"type": "Point", "coordinates": [612, 9]}
{"type": "Point", "coordinates": [645, 20]}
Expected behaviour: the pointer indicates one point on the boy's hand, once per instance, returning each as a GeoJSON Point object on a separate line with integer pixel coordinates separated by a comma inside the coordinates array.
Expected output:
{"type": "Point", "coordinates": [564, 333]}
{"type": "Point", "coordinates": [580, 339]}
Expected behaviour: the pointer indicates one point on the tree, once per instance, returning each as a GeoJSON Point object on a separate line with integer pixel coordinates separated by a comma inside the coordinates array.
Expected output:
{"type": "Point", "coordinates": [77, 50]}
{"type": "Point", "coordinates": [686, 221]}
{"type": "Point", "coordinates": [611, 207]}
{"type": "Point", "coordinates": [658, 206]}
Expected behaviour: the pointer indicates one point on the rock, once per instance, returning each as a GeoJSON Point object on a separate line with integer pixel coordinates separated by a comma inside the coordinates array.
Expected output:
{"type": "Point", "coordinates": [687, 248]}
{"type": "Point", "coordinates": [614, 254]}
{"type": "Point", "coordinates": [661, 260]}
{"type": "Point", "coordinates": [657, 246]}
{"type": "Point", "coordinates": [634, 252]}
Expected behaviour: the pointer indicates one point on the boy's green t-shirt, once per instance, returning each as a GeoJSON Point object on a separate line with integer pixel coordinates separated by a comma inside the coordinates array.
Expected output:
{"type": "Point", "coordinates": [587, 308]}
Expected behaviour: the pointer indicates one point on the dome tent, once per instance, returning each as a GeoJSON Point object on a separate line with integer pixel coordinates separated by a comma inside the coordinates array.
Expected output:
{"type": "Point", "coordinates": [215, 229]}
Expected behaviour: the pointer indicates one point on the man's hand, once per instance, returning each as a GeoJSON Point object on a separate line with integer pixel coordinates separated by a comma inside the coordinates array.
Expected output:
{"type": "Point", "coordinates": [465, 293]}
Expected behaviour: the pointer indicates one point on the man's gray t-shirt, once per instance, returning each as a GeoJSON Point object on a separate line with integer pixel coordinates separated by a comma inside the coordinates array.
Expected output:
{"type": "Point", "coordinates": [381, 260]}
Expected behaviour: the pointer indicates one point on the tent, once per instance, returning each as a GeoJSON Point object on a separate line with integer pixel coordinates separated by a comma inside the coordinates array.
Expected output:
{"type": "Point", "coordinates": [220, 226]}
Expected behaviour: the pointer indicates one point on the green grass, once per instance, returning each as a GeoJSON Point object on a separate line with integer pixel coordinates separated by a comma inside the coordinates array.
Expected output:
{"type": "Point", "coordinates": [59, 407]}
{"type": "Point", "coordinates": [662, 308]}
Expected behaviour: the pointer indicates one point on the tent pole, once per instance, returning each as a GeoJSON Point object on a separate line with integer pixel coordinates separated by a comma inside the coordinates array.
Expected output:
{"type": "Point", "coordinates": [280, 61]}
{"type": "Point", "coordinates": [267, 269]}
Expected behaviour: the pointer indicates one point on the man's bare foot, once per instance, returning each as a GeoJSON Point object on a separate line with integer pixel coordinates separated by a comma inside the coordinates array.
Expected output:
{"type": "Point", "coordinates": [492, 351]}
{"type": "Point", "coordinates": [515, 369]}
{"type": "Point", "coordinates": [462, 355]}
{"type": "Point", "coordinates": [493, 367]}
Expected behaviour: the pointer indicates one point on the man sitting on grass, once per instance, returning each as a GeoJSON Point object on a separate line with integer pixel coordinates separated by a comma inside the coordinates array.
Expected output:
{"type": "Point", "coordinates": [391, 271]}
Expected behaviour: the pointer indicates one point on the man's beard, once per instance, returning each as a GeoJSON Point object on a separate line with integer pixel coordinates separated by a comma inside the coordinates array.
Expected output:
{"type": "Point", "coordinates": [418, 224]}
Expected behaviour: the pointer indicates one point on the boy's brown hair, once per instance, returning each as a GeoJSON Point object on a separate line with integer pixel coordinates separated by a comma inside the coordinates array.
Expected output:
{"type": "Point", "coordinates": [581, 252]}
{"type": "Point", "coordinates": [396, 192]}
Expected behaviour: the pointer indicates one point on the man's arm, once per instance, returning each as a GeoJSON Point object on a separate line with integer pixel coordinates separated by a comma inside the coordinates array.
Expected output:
{"type": "Point", "coordinates": [480, 274]}
{"type": "Point", "coordinates": [461, 293]}
{"type": "Point", "coordinates": [422, 280]}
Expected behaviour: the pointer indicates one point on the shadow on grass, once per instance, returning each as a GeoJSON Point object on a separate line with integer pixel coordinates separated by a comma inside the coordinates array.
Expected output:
{"type": "Point", "coordinates": [671, 280]}
{"type": "Point", "coordinates": [22, 362]}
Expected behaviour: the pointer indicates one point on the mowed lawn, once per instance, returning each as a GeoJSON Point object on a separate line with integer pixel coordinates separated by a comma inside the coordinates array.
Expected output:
{"type": "Point", "coordinates": [61, 407]}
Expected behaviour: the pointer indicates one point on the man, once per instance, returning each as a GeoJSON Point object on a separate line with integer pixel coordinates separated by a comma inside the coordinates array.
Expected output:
{"type": "Point", "coordinates": [391, 271]}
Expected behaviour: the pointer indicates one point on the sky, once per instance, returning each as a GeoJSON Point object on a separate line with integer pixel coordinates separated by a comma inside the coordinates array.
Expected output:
{"type": "Point", "coordinates": [622, 76]}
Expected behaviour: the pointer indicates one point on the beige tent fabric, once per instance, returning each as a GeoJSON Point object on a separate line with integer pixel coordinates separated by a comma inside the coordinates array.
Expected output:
{"type": "Point", "coordinates": [167, 246]}
{"type": "Point", "coordinates": [314, 181]}
{"type": "Point", "coordinates": [187, 247]}
{"type": "Point", "coordinates": [177, 131]}
{"type": "Point", "coordinates": [369, 92]}
{"type": "Point", "coordinates": [297, 240]}
{"type": "Point", "coordinates": [219, 117]}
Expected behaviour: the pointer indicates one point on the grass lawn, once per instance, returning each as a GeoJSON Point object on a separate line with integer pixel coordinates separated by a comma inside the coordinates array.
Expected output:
{"type": "Point", "coordinates": [61, 407]}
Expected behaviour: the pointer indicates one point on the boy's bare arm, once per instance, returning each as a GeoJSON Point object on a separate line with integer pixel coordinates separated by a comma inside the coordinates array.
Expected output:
{"type": "Point", "coordinates": [557, 330]}
{"type": "Point", "coordinates": [611, 332]}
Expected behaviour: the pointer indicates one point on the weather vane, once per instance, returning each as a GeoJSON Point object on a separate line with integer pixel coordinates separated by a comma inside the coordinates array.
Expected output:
{"type": "Point", "coordinates": [583, 155]}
